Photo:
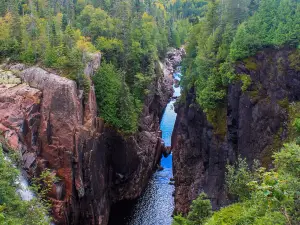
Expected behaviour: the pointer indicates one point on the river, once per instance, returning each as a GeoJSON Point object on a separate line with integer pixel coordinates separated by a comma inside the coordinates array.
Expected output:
{"type": "Point", "coordinates": [156, 205]}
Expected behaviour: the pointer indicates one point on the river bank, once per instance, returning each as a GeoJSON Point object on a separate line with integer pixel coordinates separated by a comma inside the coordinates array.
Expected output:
{"type": "Point", "coordinates": [156, 205]}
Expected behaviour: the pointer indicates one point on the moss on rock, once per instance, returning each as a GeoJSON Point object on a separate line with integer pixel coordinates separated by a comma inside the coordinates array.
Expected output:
{"type": "Point", "coordinates": [250, 63]}
{"type": "Point", "coordinates": [246, 80]}
{"type": "Point", "coordinates": [294, 59]}
{"type": "Point", "coordinates": [218, 119]}
{"type": "Point", "coordinates": [284, 103]}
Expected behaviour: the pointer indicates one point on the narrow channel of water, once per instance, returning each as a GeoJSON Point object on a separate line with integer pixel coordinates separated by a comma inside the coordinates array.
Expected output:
{"type": "Point", "coordinates": [156, 205]}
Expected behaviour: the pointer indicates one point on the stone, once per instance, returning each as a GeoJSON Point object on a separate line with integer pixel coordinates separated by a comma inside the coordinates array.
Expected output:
{"type": "Point", "coordinates": [159, 168]}
{"type": "Point", "coordinates": [16, 105]}
{"type": "Point", "coordinates": [200, 156]}
{"type": "Point", "coordinates": [46, 118]}
{"type": "Point", "coordinates": [28, 159]}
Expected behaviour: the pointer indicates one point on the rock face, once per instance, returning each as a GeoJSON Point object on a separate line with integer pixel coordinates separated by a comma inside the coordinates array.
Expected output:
{"type": "Point", "coordinates": [172, 60]}
{"type": "Point", "coordinates": [20, 117]}
{"type": "Point", "coordinates": [47, 124]}
{"type": "Point", "coordinates": [47, 119]}
{"type": "Point", "coordinates": [256, 124]}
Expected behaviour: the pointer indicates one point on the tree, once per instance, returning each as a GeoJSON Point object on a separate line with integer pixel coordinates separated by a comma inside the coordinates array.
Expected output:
{"type": "Point", "coordinates": [200, 211]}
{"type": "Point", "coordinates": [13, 210]}
{"type": "Point", "coordinates": [115, 102]}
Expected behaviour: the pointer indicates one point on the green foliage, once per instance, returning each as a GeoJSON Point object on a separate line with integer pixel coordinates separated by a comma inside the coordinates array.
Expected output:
{"type": "Point", "coordinates": [246, 213]}
{"type": "Point", "coordinates": [237, 178]}
{"type": "Point", "coordinates": [141, 84]}
{"type": "Point", "coordinates": [232, 31]}
{"type": "Point", "coordinates": [207, 66]}
{"type": "Point", "coordinates": [13, 210]}
{"type": "Point", "coordinates": [284, 103]}
{"type": "Point", "coordinates": [39, 39]}
{"type": "Point", "coordinates": [111, 47]}
{"type": "Point", "coordinates": [288, 159]}
{"type": "Point", "coordinates": [200, 210]}
{"type": "Point", "coordinates": [276, 23]}
{"type": "Point", "coordinates": [218, 119]}
{"type": "Point", "coordinates": [294, 59]}
{"type": "Point", "coordinates": [243, 45]}
{"type": "Point", "coordinates": [42, 186]}
{"type": "Point", "coordinates": [266, 197]}
{"type": "Point", "coordinates": [180, 220]}
{"type": "Point", "coordinates": [96, 22]}
{"type": "Point", "coordinates": [250, 64]}
{"type": "Point", "coordinates": [179, 32]}
{"type": "Point", "coordinates": [131, 35]}
{"type": "Point", "coordinates": [246, 80]}
{"type": "Point", "coordinates": [84, 83]}
{"type": "Point", "coordinates": [116, 104]}
{"type": "Point", "coordinates": [297, 125]}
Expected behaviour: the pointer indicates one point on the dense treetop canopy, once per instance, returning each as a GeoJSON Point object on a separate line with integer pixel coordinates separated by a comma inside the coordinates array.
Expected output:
{"type": "Point", "coordinates": [132, 35]}
{"type": "Point", "coordinates": [232, 31]}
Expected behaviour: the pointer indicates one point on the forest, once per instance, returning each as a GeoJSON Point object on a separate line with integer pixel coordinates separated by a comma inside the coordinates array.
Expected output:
{"type": "Point", "coordinates": [60, 36]}
{"type": "Point", "coordinates": [133, 36]}
{"type": "Point", "coordinates": [230, 33]}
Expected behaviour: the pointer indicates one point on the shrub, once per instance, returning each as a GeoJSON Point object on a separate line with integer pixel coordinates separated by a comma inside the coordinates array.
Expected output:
{"type": "Point", "coordinates": [297, 124]}
{"type": "Point", "coordinates": [237, 178]}
{"type": "Point", "coordinates": [246, 80]}
{"type": "Point", "coordinates": [116, 104]}
{"type": "Point", "coordinates": [13, 210]}
{"type": "Point", "coordinates": [288, 159]}
{"type": "Point", "coordinates": [201, 210]}
{"type": "Point", "coordinates": [267, 197]}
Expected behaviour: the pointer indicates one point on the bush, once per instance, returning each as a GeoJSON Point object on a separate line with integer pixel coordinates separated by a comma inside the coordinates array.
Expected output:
{"type": "Point", "coordinates": [116, 104]}
{"type": "Point", "coordinates": [200, 210]}
{"type": "Point", "coordinates": [246, 80]}
{"type": "Point", "coordinates": [288, 159]}
{"type": "Point", "coordinates": [266, 197]}
{"type": "Point", "coordinates": [297, 125]}
{"type": "Point", "coordinates": [13, 210]}
{"type": "Point", "coordinates": [237, 178]}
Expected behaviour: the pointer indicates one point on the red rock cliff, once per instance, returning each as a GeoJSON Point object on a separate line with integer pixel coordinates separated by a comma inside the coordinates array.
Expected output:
{"type": "Point", "coordinates": [47, 120]}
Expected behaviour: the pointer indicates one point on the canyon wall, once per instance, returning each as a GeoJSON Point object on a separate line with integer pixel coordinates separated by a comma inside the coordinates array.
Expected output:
{"type": "Point", "coordinates": [252, 124]}
{"type": "Point", "coordinates": [46, 118]}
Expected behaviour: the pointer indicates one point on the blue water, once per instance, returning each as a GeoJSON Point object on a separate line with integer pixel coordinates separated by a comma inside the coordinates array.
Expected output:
{"type": "Point", "coordinates": [156, 205]}
{"type": "Point", "coordinates": [167, 123]}
{"type": "Point", "coordinates": [177, 76]}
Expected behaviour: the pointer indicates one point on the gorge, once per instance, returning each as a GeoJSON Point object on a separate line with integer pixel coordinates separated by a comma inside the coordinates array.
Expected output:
{"type": "Point", "coordinates": [71, 141]}
{"type": "Point", "coordinates": [256, 123]}
{"type": "Point", "coordinates": [156, 204]}
{"type": "Point", "coordinates": [150, 112]}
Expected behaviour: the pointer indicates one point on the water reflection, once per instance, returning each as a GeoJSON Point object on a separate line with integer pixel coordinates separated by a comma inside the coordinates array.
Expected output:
{"type": "Point", "coordinates": [156, 205]}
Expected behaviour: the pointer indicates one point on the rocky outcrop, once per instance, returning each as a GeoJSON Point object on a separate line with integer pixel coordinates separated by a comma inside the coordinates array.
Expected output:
{"type": "Point", "coordinates": [49, 130]}
{"type": "Point", "coordinates": [256, 123]}
{"type": "Point", "coordinates": [20, 118]}
{"type": "Point", "coordinates": [135, 160]}
{"type": "Point", "coordinates": [173, 59]}
{"type": "Point", "coordinates": [49, 121]}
